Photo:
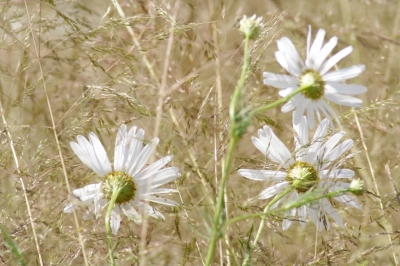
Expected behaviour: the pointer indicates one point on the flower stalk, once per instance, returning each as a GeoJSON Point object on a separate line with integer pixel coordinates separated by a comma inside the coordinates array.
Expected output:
{"type": "Point", "coordinates": [108, 224]}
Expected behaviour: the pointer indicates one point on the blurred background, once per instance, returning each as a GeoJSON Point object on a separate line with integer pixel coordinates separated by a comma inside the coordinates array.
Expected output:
{"type": "Point", "coordinates": [170, 67]}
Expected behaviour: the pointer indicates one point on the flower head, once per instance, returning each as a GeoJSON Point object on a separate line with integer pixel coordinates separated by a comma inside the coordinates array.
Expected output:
{"type": "Point", "coordinates": [134, 184]}
{"type": "Point", "coordinates": [250, 26]}
{"type": "Point", "coordinates": [315, 165]}
{"type": "Point", "coordinates": [314, 74]}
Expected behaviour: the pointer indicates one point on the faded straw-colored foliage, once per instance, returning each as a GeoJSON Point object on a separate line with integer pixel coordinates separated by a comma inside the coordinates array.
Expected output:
{"type": "Point", "coordinates": [100, 68]}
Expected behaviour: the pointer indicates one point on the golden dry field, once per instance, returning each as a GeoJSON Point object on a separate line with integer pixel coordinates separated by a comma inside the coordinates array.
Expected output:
{"type": "Point", "coordinates": [68, 68]}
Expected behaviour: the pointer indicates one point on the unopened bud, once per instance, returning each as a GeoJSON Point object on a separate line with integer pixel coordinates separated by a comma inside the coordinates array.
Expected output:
{"type": "Point", "coordinates": [250, 26]}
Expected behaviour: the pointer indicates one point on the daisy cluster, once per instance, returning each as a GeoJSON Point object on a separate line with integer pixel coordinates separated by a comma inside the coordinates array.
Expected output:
{"type": "Point", "coordinates": [315, 163]}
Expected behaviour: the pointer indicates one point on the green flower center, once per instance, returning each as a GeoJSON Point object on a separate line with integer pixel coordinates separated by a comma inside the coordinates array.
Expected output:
{"type": "Point", "coordinates": [302, 176]}
{"type": "Point", "coordinates": [119, 181]}
{"type": "Point", "coordinates": [313, 80]}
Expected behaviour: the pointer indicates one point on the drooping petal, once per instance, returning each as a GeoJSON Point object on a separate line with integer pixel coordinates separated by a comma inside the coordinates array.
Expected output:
{"type": "Point", "coordinates": [273, 190]}
{"type": "Point", "coordinates": [87, 193]}
{"type": "Point", "coordinates": [344, 100]}
{"type": "Point", "coordinates": [148, 209]}
{"type": "Point", "coordinates": [328, 209]}
{"type": "Point", "coordinates": [263, 175]}
{"type": "Point", "coordinates": [131, 213]}
{"type": "Point", "coordinates": [160, 200]}
{"type": "Point", "coordinates": [289, 214]}
{"type": "Point", "coordinates": [336, 173]}
{"type": "Point", "coordinates": [115, 219]}
{"type": "Point", "coordinates": [349, 200]}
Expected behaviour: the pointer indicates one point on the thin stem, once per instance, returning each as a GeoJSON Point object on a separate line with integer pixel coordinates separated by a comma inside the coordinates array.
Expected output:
{"type": "Point", "coordinates": [108, 225]}
{"type": "Point", "coordinates": [219, 218]}
{"type": "Point", "coordinates": [278, 102]}
{"type": "Point", "coordinates": [262, 224]}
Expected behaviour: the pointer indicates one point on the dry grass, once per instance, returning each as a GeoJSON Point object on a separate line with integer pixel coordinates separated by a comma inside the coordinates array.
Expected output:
{"type": "Point", "coordinates": [100, 70]}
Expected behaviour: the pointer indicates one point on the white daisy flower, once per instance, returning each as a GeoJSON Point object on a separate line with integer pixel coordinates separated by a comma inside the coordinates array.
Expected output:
{"type": "Point", "coordinates": [315, 165]}
{"type": "Point", "coordinates": [136, 184]}
{"type": "Point", "coordinates": [324, 85]}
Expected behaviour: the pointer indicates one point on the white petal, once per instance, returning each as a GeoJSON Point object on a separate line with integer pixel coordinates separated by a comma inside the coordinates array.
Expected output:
{"type": "Point", "coordinates": [315, 49]}
{"type": "Point", "coordinates": [99, 202]}
{"type": "Point", "coordinates": [302, 211]}
{"type": "Point", "coordinates": [271, 146]}
{"type": "Point", "coordinates": [344, 74]}
{"type": "Point", "coordinates": [131, 213]}
{"type": "Point", "coordinates": [337, 173]}
{"type": "Point", "coordinates": [153, 168]}
{"type": "Point", "coordinates": [289, 106]}
{"type": "Point", "coordinates": [349, 200]}
{"type": "Point", "coordinates": [334, 59]}
{"type": "Point", "coordinates": [135, 140]}
{"type": "Point", "coordinates": [327, 208]}
{"type": "Point", "coordinates": [262, 175]}
{"type": "Point", "coordinates": [120, 149]}
{"type": "Point", "coordinates": [86, 194]}
{"type": "Point", "coordinates": [329, 145]}
{"type": "Point", "coordinates": [163, 191]}
{"type": "Point", "coordinates": [324, 53]}
{"type": "Point", "coordinates": [310, 116]}
{"type": "Point", "coordinates": [279, 81]}
{"type": "Point", "coordinates": [143, 157]}
{"type": "Point", "coordinates": [160, 200]}
{"type": "Point", "coordinates": [164, 176]}
{"type": "Point", "coordinates": [341, 149]}
{"type": "Point", "coordinates": [293, 59]}
{"type": "Point", "coordinates": [68, 208]}
{"type": "Point", "coordinates": [302, 131]}
{"type": "Point", "coordinates": [286, 92]}
{"type": "Point", "coordinates": [344, 100]}
{"type": "Point", "coordinates": [101, 154]}
{"type": "Point", "coordinates": [289, 214]}
{"type": "Point", "coordinates": [273, 190]}
{"type": "Point", "coordinates": [300, 108]}
{"type": "Point", "coordinates": [148, 209]}
{"type": "Point", "coordinates": [115, 219]}
{"type": "Point", "coordinates": [340, 88]}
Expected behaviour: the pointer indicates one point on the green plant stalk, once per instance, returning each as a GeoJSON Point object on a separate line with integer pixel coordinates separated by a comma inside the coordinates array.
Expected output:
{"type": "Point", "coordinates": [219, 218]}
{"type": "Point", "coordinates": [108, 225]}
{"type": "Point", "coordinates": [262, 224]}
{"type": "Point", "coordinates": [278, 102]}
{"type": "Point", "coordinates": [13, 247]}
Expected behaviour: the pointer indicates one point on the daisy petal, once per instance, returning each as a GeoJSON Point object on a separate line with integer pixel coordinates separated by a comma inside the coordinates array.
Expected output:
{"type": "Point", "coordinates": [279, 81]}
{"type": "Point", "coordinates": [131, 213]}
{"type": "Point", "coordinates": [344, 100]}
{"type": "Point", "coordinates": [273, 190]}
{"type": "Point", "coordinates": [349, 200]}
{"type": "Point", "coordinates": [263, 175]}
{"type": "Point", "coordinates": [115, 219]}
{"type": "Point", "coordinates": [340, 88]}
{"type": "Point", "coordinates": [344, 74]}
{"type": "Point", "coordinates": [334, 59]}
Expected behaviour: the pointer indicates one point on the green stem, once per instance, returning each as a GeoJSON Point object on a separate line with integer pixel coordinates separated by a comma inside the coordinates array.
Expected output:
{"type": "Point", "coordinates": [108, 225]}
{"type": "Point", "coordinates": [262, 224]}
{"type": "Point", "coordinates": [219, 218]}
{"type": "Point", "coordinates": [278, 102]}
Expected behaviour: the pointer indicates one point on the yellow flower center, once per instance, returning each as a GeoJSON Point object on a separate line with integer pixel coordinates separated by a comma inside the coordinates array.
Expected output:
{"type": "Point", "coordinates": [313, 80]}
{"type": "Point", "coordinates": [302, 176]}
{"type": "Point", "coordinates": [119, 181]}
